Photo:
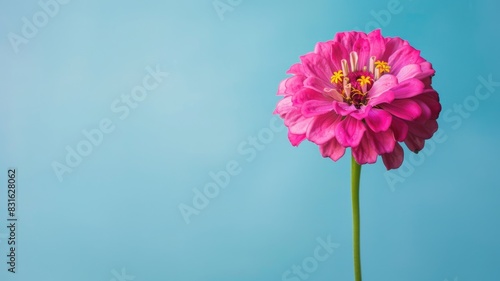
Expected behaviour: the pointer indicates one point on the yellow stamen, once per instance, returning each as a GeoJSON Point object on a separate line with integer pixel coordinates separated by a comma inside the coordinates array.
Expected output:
{"type": "Point", "coordinates": [383, 66]}
{"type": "Point", "coordinates": [337, 77]}
{"type": "Point", "coordinates": [364, 80]}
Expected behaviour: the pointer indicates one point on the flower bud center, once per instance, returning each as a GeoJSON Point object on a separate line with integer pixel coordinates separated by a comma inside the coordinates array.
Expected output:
{"type": "Point", "coordinates": [353, 82]}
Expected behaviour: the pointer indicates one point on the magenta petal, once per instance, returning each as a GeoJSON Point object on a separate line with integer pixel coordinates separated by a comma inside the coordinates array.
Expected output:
{"type": "Point", "coordinates": [365, 152]}
{"type": "Point", "coordinates": [282, 88]}
{"type": "Point", "coordinates": [385, 83]}
{"type": "Point", "coordinates": [320, 86]}
{"type": "Point", "coordinates": [315, 65]}
{"type": "Point", "coordinates": [430, 93]}
{"type": "Point", "coordinates": [322, 128]}
{"type": "Point", "coordinates": [391, 45]}
{"type": "Point", "coordinates": [339, 52]}
{"type": "Point", "coordinates": [325, 49]}
{"type": "Point", "coordinates": [399, 128]}
{"type": "Point", "coordinates": [378, 120]}
{"type": "Point", "coordinates": [408, 88]}
{"type": "Point", "coordinates": [349, 132]}
{"type": "Point", "coordinates": [284, 106]}
{"type": "Point", "coordinates": [423, 130]}
{"type": "Point", "coordinates": [343, 108]}
{"type": "Point", "coordinates": [296, 122]}
{"type": "Point", "coordinates": [362, 47]}
{"type": "Point", "coordinates": [414, 143]}
{"type": "Point", "coordinates": [317, 84]}
{"type": "Point", "coordinates": [312, 108]}
{"type": "Point", "coordinates": [426, 111]}
{"type": "Point", "coordinates": [306, 94]}
{"type": "Point", "coordinates": [431, 100]}
{"type": "Point", "coordinates": [291, 85]}
{"type": "Point", "coordinates": [418, 71]}
{"type": "Point", "coordinates": [332, 149]}
{"type": "Point", "coordinates": [347, 39]}
{"type": "Point", "coordinates": [296, 139]}
{"type": "Point", "coordinates": [360, 113]}
{"type": "Point", "coordinates": [383, 141]}
{"type": "Point", "coordinates": [386, 97]}
{"type": "Point", "coordinates": [295, 69]}
{"type": "Point", "coordinates": [409, 71]}
{"type": "Point", "coordinates": [394, 159]}
{"type": "Point", "coordinates": [380, 93]}
{"type": "Point", "coordinates": [377, 44]}
{"type": "Point", "coordinates": [403, 56]}
{"type": "Point", "coordinates": [405, 109]}
{"type": "Point", "coordinates": [427, 70]}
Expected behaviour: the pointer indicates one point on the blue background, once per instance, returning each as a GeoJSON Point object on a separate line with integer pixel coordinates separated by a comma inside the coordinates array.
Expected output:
{"type": "Point", "coordinates": [119, 208]}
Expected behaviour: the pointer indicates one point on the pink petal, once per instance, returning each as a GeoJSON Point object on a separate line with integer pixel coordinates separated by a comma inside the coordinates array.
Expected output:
{"type": "Point", "coordinates": [405, 109]}
{"type": "Point", "coordinates": [377, 44]}
{"type": "Point", "coordinates": [365, 152]}
{"type": "Point", "coordinates": [296, 139]}
{"type": "Point", "coordinates": [306, 94]}
{"type": "Point", "coordinates": [349, 132]}
{"type": "Point", "coordinates": [347, 39]}
{"type": "Point", "coordinates": [315, 65]}
{"type": "Point", "coordinates": [282, 88]}
{"type": "Point", "coordinates": [378, 120]}
{"type": "Point", "coordinates": [418, 71]}
{"type": "Point", "coordinates": [431, 99]}
{"type": "Point", "coordinates": [312, 108]}
{"type": "Point", "coordinates": [391, 46]}
{"type": "Point", "coordinates": [431, 93]}
{"type": "Point", "coordinates": [414, 143]}
{"type": "Point", "coordinates": [409, 71]}
{"type": "Point", "coordinates": [380, 93]}
{"type": "Point", "coordinates": [284, 106]}
{"type": "Point", "coordinates": [427, 70]}
{"type": "Point", "coordinates": [320, 85]}
{"type": "Point", "coordinates": [343, 108]}
{"type": "Point", "coordinates": [426, 111]}
{"type": "Point", "coordinates": [291, 85]}
{"type": "Point", "coordinates": [427, 81]}
{"type": "Point", "coordinates": [360, 113]}
{"type": "Point", "coordinates": [383, 141]}
{"type": "Point", "coordinates": [322, 128]}
{"type": "Point", "coordinates": [385, 97]}
{"type": "Point", "coordinates": [408, 88]}
{"type": "Point", "coordinates": [403, 56]}
{"type": "Point", "coordinates": [362, 47]}
{"type": "Point", "coordinates": [423, 130]}
{"type": "Point", "coordinates": [339, 52]}
{"type": "Point", "coordinates": [296, 122]}
{"type": "Point", "coordinates": [394, 159]}
{"type": "Point", "coordinates": [332, 149]}
{"type": "Point", "coordinates": [295, 69]}
{"type": "Point", "coordinates": [326, 49]}
{"type": "Point", "coordinates": [333, 52]}
{"type": "Point", "coordinates": [399, 128]}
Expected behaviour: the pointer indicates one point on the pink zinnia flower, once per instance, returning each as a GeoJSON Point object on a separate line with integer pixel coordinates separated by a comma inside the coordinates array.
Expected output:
{"type": "Point", "coordinates": [362, 91]}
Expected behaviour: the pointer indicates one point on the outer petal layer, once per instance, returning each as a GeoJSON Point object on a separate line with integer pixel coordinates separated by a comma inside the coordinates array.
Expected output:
{"type": "Point", "coordinates": [332, 149]}
{"type": "Point", "coordinates": [349, 132]}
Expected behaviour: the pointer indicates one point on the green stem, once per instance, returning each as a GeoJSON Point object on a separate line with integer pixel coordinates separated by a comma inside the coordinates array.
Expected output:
{"type": "Point", "coordinates": [355, 175]}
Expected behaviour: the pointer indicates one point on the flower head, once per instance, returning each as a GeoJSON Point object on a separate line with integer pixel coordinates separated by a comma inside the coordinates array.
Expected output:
{"type": "Point", "coordinates": [362, 91]}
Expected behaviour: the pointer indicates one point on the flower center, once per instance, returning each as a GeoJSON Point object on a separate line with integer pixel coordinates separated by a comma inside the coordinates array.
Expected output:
{"type": "Point", "coordinates": [354, 83]}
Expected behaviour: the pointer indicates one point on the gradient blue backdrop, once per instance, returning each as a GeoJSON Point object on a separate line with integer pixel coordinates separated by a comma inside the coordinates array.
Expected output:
{"type": "Point", "coordinates": [119, 209]}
